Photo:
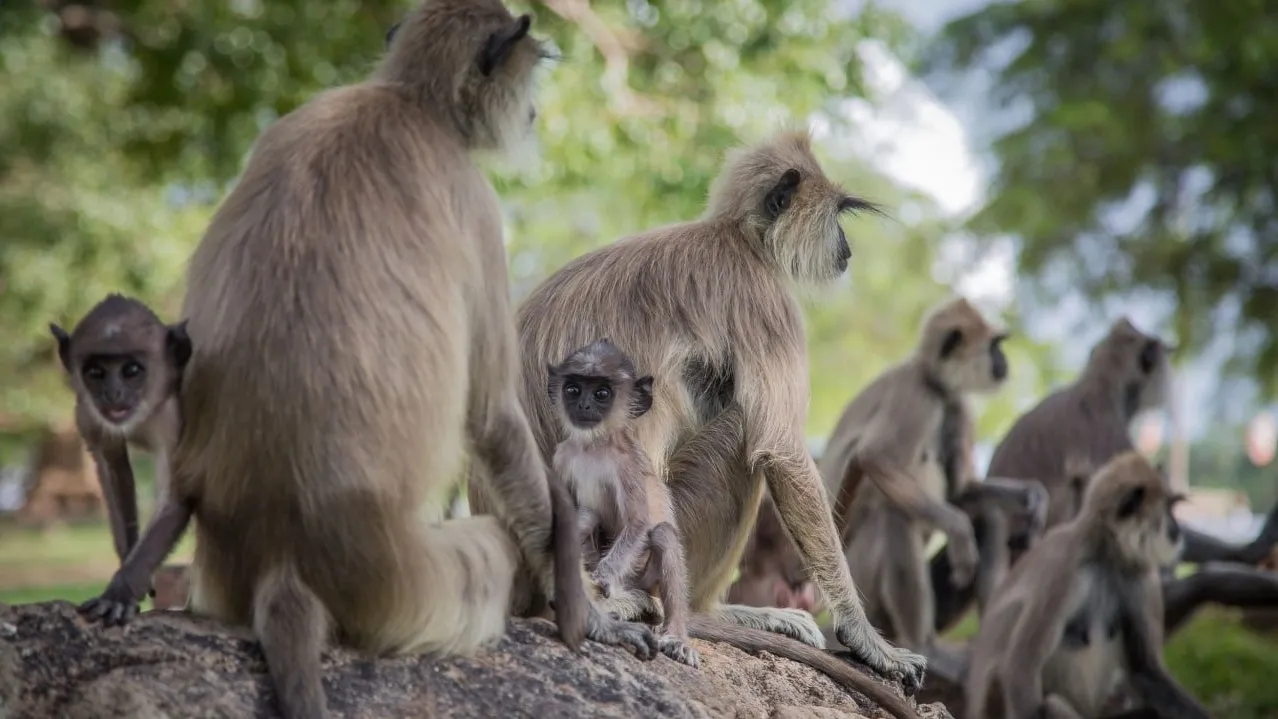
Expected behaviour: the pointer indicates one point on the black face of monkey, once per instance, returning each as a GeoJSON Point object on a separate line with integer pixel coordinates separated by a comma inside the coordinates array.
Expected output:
{"type": "Point", "coordinates": [587, 400]}
{"type": "Point", "coordinates": [117, 384]}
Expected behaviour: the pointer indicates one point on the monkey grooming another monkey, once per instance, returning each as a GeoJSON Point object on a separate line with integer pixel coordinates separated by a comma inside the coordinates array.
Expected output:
{"type": "Point", "coordinates": [125, 367]}
{"type": "Point", "coordinates": [709, 307]}
{"type": "Point", "coordinates": [890, 434]}
{"type": "Point", "coordinates": [356, 348]}
{"type": "Point", "coordinates": [599, 397]}
{"type": "Point", "coordinates": [1080, 615]}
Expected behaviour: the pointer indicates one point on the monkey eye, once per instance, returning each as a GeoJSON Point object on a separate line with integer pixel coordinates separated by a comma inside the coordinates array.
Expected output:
{"type": "Point", "coordinates": [131, 370]}
{"type": "Point", "coordinates": [572, 390]}
{"type": "Point", "coordinates": [603, 393]}
{"type": "Point", "coordinates": [94, 372]}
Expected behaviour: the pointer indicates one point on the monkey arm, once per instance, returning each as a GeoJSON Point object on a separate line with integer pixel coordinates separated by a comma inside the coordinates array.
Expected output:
{"type": "Point", "coordinates": [116, 475]}
{"type": "Point", "coordinates": [1142, 646]}
{"type": "Point", "coordinates": [1230, 586]}
{"type": "Point", "coordinates": [132, 581]}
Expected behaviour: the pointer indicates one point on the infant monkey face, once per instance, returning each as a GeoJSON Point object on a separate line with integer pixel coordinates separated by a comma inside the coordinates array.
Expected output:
{"type": "Point", "coordinates": [587, 400]}
{"type": "Point", "coordinates": [116, 385]}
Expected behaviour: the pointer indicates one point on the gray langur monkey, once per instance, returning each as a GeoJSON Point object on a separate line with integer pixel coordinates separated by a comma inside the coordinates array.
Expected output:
{"type": "Point", "coordinates": [709, 307]}
{"type": "Point", "coordinates": [355, 348]}
{"type": "Point", "coordinates": [125, 366]}
{"type": "Point", "coordinates": [881, 466]}
{"type": "Point", "coordinates": [598, 396]}
{"type": "Point", "coordinates": [1079, 618]}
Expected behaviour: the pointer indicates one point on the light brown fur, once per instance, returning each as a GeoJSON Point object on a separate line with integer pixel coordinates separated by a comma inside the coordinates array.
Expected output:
{"type": "Point", "coordinates": [355, 341]}
{"type": "Point", "coordinates": [708, 307]}
{"type": "Point", "coordinates": [890, 435]}
{"type": "Point", "coordinates": [1080, 616]}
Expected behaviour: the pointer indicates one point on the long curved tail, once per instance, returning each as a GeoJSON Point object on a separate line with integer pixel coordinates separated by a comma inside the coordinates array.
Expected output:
{"type": "Point", "coordinates": [292, 625]}
{"type": "Point", "coordinates": [757, 640]}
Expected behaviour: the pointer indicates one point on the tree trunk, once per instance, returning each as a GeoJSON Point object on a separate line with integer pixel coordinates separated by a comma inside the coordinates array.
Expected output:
{"type": "Point", "coordinates": [65, 484]}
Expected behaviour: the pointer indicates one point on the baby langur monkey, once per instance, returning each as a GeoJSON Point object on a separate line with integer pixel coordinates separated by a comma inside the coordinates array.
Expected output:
{"type": "Point", "coordinates": [125, 366]}
{"type": "Point", "coordinates": [1080, 615]}
{"type": "Point", "coordinates": [598, 397]}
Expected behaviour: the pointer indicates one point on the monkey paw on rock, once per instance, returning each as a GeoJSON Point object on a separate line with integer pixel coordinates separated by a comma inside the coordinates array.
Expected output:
{"type": "Point", "coordinates": [679, 650]}
{"type": "Point", "coordinates": [870, 648]}
{"type": "Point", "coordinates": [115, 606]}
{"type": "Point", "coordinates": [606, 630]}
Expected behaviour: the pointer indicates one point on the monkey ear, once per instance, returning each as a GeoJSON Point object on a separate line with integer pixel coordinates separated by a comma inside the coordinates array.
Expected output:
{"type": "Point", "coordinates": [500, 44]}
{"type": "Point", "coordinates": [390, 33]}
{"type": "Point", "coordinates": [641, 399]}
{"type": "Point", "coordinates": [952, 340]}
{"type": "Point", "coordinates": [178, 344]}
{"type": "Point", "coordinates": [1131, 502]}
{"type": "Point", "coordinates": [779, 197]}
{"type": "Point", "coordinates": [1148, 356]}
{"type": "Point", "coordinates": [64, 345]}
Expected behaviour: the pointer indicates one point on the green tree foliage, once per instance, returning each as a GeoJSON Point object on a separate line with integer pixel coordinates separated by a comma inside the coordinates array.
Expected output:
{"type": "Point", "coordinates": [121, 125]}
{"type": "Point", "coordinates": [1146, 161]}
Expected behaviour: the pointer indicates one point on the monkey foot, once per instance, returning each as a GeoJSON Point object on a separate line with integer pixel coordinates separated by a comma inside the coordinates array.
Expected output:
{"type": "Point", "coordinates": [679, 650]}
{"type": "Point", "coordinates": [605, 630]}
{"type": "Point", "coordinates": [108, 610]}
{"type": "Point", "coordinates": [870, 648]}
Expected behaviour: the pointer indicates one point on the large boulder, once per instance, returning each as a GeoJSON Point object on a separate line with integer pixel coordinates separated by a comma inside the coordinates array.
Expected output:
{"type": "Point", "coordinates": [169, 664]}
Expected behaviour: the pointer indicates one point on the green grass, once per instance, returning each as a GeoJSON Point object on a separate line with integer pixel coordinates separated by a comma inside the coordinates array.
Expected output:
{"type": "Point", "coordinates": [74, 593]}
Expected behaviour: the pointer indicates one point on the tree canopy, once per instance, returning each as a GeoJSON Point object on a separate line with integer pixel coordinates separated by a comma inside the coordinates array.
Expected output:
{"type": "Point", "coordinates": [1141, 155]}
{"type": "Point", "coordinates": [122, 125]}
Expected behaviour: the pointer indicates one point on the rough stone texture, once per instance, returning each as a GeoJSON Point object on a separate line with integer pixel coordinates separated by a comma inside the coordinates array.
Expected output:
{"type": "Point", "coordinates": [168, 664]}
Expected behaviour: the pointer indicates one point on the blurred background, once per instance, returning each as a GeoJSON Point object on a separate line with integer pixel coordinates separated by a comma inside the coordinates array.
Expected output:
{"type": "Point", "coordinates": [1061, 163]}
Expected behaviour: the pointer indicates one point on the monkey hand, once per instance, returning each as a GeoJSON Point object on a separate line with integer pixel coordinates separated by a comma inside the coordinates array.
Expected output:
{"type": "Point", "coordinates": [963, 554]}
{"type": "Point", "coordinates": [867, 646]}
{"type": "Point", "coordinates": [606, 630]}
{"type": "Point", "coordinates": [118, 604]}
{"type": "Point", "coordinates": [679, 650]}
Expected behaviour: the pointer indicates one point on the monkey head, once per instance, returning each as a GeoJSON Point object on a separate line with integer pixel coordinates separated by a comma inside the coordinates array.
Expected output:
{"type": "Point", "coordinates": [1130, 500]}
{"type": "Point", "coordinates": [123, 360]}
{"type": "Point", "coordinates": [779, 196]}
{"type": "Point", "coordinates": [1135, 366]}
{"type": "Point", "coordinates": [961, 351]}
{"type": "Point", "coordinates": [471, 63]}
{"type": "Point", "coordinates": [592, 382]}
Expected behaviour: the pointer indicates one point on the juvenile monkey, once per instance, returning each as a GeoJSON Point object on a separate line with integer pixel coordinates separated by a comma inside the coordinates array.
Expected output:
{"type": "Point", "coordinates": [772, 572]}
{"type": "Point", "coordinates": [733, 370]}
{"type": "Point", "coordinates": [125, 366]}
{"type": "Point", "coordinates": [1080, 616]}
{"type": "Point", "coordinates": [891, 435]}
{"type": "Point", "coordinates": [356, 347]}
{"type": "Point", "coordinates": [598, 396]}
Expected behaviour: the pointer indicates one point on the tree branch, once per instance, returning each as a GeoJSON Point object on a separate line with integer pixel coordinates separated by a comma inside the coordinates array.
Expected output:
{"type": "Point", "coordinates": [615, 48]}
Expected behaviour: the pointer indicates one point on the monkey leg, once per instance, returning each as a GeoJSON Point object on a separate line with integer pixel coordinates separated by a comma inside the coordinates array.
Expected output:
{"type": "Point", "coordinates": [1234, 586]}
{"type": "Point", "coordinates": [715, 499]}
{"type": "Point", "coordinates": [902, 582]}
{"type": "Point", "coordinates": [635, 605]}
{"type": "Point", "coordinates": [666, 553]}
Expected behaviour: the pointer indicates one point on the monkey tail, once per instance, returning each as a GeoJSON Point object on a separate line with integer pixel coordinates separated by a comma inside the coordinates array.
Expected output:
{"type": "Point", "coordinates": [292, 624]}
{"type": "Point", "coordinates": [571, 604]}
{"type": "Point", "coordinates": [756, 640]}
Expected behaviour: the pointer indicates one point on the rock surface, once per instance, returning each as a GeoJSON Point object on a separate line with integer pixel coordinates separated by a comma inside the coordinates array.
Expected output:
{"type": "Point", "coordinates": [168, 664]}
